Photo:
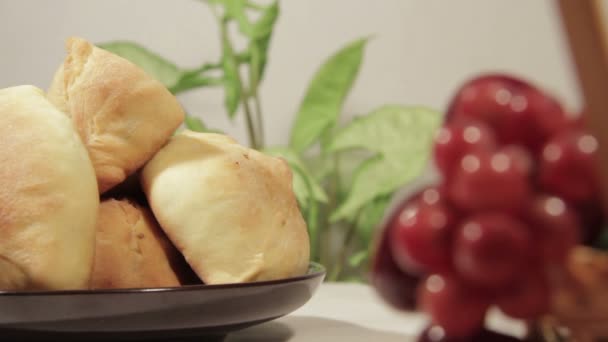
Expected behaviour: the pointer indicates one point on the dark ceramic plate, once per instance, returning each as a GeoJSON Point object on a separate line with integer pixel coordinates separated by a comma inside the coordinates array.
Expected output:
{"type": "Point", "coordinates": [201, 312]}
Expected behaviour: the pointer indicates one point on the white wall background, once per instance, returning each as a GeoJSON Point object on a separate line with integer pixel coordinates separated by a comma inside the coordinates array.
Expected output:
{"type": "Point", "coordinates": [421, 51]}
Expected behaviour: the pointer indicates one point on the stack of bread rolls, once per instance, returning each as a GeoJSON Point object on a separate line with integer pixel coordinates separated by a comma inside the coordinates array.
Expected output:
{"type": "Point", "coordinates": [97, 190]}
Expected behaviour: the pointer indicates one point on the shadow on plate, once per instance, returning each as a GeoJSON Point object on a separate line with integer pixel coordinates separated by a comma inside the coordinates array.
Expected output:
{"type": "Point", "coordinates": [306, 329]}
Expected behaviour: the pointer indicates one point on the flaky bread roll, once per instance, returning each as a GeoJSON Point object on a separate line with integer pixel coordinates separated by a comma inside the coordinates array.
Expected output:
{"type": "Point", "coordinates": [48, 196]}
{"type": "Point", "coordinates": [123, 115]}
{"type": "Point", "coordinates": [228, 209]}
{"type": "Point", "coordinates": [132, 251]}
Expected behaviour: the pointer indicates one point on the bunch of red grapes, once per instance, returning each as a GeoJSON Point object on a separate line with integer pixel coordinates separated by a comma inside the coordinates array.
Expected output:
{"type": "Point", "coordinates": [519, 190]}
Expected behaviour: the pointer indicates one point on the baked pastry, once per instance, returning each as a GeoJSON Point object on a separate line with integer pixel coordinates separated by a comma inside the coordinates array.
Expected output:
{"type": "Point", "coordinates": [228, 209]}
{"type": "Point", "coordinates": [131, 249]}
{"type": "Point", "coordinates": [123, 115]}
{"type": "Point", "coordinates": [48, 196]}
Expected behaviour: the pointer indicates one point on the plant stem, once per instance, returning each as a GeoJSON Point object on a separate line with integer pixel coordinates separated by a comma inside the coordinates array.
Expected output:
{"type": "Point", "coordinates": [320, 236]}
{"type": "Point", "coordinates": [313, 224]}
{"type": "Point", "coordinates": [323, 238]}
{"type": "Point", "coordinates": [203, 68]}
{"type": "Point", "coordinates": [341, 259]}
{"type": "Point", "coordinates": [254, 84]}
{"type": "Point", "coordinates": [245, 93]}
{"type": "Point", "coordinates": [325, 243]}
{"type": "Point", "coordinates": [259, 118]}
{"type": "Point", "coordinates": [337, 176]}
{"type": "Point", "coordinates": [253, 139]}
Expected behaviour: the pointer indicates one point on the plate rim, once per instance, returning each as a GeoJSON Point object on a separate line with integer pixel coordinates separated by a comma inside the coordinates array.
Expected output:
{"type": "Point", "coordinates": [315, 270]}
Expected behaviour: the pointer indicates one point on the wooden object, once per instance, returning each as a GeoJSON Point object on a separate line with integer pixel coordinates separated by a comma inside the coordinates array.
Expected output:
{"type": "Point", "coordinates": [586, 32]}
{"type": "Point", "coordinates": [580, 301]}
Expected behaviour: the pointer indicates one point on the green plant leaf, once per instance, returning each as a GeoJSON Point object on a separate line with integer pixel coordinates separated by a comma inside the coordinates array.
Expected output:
{"type": "Point", "coordinates": [172, 77]}
{"type": "Point", "coordinates": [348, 164]}
{"type": "Point", "coordinates": [301, 178]}
{"type": "Point", "coordinates": [189, 82]}
{"type": "Point", "coordinates": [263, 27]}
{"type": "Point", "coordinates": [325, 96]}
{"type": "Point", "coordinates": [195, 78]}
{"type": "Point", "coordinates": [357, 259]}
{"type": "Point", "coordinates": [153, 64]}
{"type": "Point", "coordinates": [258, 47]}
{"type": "Point", "coordinates": [237, 10]}
{"type": "Point", "coordinates": [321, 166]}
{"type": "Point", "coordinates": [301, 188]}
{"type": "Point", "coordinates": [309, 205]}
{"type": "Point", "coordinates": [232, 79]}
{"type": "Point", "coordinates": [370, 216]}
{"type": "Point", "coordinates": [258, 50]}
{"type": "Point", "coordinates": [401, 137]}
{"type": "Point", "coordinates": [194, 124]}
{"type": "Point", "coordinates": [311, 213]}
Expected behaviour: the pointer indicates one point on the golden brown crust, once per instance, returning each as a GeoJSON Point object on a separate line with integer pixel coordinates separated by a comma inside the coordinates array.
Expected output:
{"type": "Point", "coordinates": [48, 196]}
{"type": "Point", "coordinates": [123, 115]}
{"type": "Point", "coordinates": [228, 209]}
{"type": "Point", "coordinates": [12, 276]}
{"type": "Point", "coordinates": [132, 251]}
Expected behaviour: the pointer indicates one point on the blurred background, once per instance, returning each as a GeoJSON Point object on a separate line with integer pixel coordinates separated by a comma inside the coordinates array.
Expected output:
{"type": "Point", "coordinates": [420, 51]}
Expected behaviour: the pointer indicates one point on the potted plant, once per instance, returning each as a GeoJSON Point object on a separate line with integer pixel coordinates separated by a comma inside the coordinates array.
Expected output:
{"type": "Point", "coordinates": [344, 175]}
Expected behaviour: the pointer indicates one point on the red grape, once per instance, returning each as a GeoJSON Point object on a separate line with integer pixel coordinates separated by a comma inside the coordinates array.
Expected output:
{"type": "Point", "coordinates": [577, 122]}
{"type": "Point", "coordinates": [487, 181]}
{"type": "Point", "coordinates": [394, 286]}
{"type": "Point", "coordinates": [422, 236]}
{"type": "Point", "coordinates": [521, 158]}
{"type": "Point", "coordinates": [527, 298]}
{"type": "Point", "coordinates": [533, 118]}
{"type": "Point", "coordinates": [568, 166]}
{"type": "Point", "coordinates": [484, 98]}
{"type": "Point", "coordinates": [431, 196]}
{"type": "Point", "coordinates": [521, 190]}
{"type": "Point", "coordinates": [435, 333]}
{"type": "Point", "coordinates": [517, 111]}
{"type": "Point", "coordinates": [455, 140]}
{"type": "Point", "coordinates": [452, 306]}
{"type": "Point", "coordinates": [491, 248]}
{"type": "Point", "coordinates": [555, 227]}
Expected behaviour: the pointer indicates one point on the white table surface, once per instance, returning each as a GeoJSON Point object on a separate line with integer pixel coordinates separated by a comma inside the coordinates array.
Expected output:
{"type": "Point", "coordinates": [349, 312]}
